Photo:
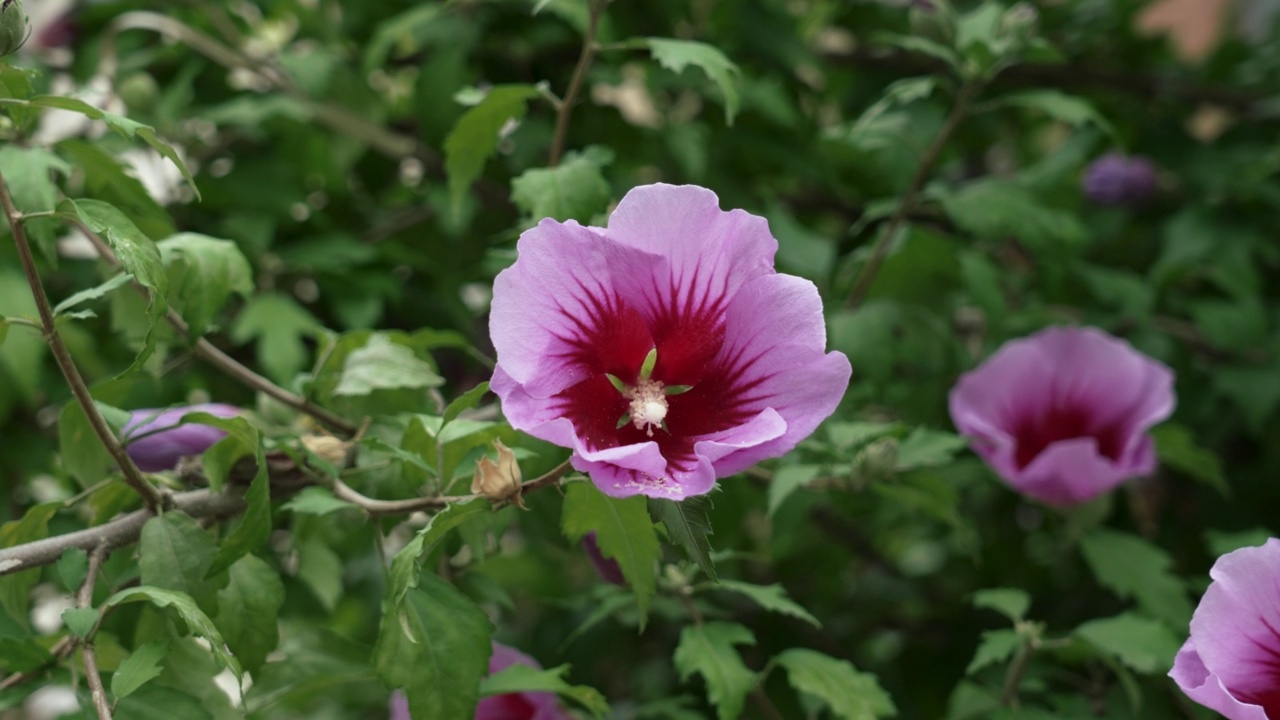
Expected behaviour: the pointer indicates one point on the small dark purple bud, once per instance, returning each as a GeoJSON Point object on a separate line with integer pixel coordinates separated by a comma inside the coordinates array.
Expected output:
{"type": "Point", "coordinates": [1116, 179]}
{"type": "Point", "coordinates": [608, 568]}
{"type": "Point", "coordinates": [156, 441]}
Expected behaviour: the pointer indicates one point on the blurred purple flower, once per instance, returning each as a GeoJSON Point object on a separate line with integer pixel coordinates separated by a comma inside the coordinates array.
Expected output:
{"type": "Point", "coordinates": [1062, 415]}
{"type": "Point", "coordinates": [155, 439]}
{"type": "Point", "coordinates": [1116, 179]}
{"type": "Point", "coordinates": [1231, 662]}
{"type": "Point", "coordinates": [513, 706]}
{"type": "Point", "coordinates": [608, 568]}
{"type": "Point", "coordinates": [740, 373]}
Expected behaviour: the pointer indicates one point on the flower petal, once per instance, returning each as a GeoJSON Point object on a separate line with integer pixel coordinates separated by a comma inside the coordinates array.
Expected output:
{"type": "Point", "coordinates": [1205, 688]}
{"type": "Point", "coordinates": [556, 317]}
{"type": "Point", "coordinates": [1070, 472]}
{"type": "Point", "coordinates": [156, 439]}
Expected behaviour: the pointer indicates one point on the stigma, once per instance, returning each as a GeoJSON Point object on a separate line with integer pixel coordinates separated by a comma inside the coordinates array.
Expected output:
{"type": "Point", "coordinates": [648, 406]}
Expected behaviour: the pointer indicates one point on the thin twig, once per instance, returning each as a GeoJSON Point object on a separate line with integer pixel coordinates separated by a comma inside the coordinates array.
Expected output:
{"type": "Point", "coordinates": [1013, 678]}
{"type": "Point", "coordinates": [211, 354]}
{"type": "Point", "coordinates": [150, 495]}
{"type": "Point", "coordinates": [84, 599]}
{"type": "Point", "coordinates": [594, 12]}
{"type": "Point", "coordinates": [927, 162]}
{"type": "Point", "coordinates": [377, 507]}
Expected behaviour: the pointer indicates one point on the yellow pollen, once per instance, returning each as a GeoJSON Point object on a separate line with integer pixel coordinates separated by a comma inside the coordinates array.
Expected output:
{"type": "Point", "coordinates": [648, 406]}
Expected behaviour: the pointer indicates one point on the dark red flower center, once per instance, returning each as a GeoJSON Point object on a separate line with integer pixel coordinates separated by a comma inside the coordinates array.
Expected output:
{"type": "Point", "coordinates": [513, 706]}
{"type": "Point", "coordinates": [1064, 421]}
{"type": "Point", "coordinates": [614, 339]}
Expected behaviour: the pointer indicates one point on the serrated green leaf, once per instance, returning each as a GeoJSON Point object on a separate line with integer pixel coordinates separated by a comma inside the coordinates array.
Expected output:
{"type": "Point", "coordinates": [1176, 447]}
{"type": "Point", "coordinates": [687, 527]}
{"type": "Point", "coordinates": [82, 453]}
{"type": "Point", "coordinates": [623, 531]}
{"type": "Point", "coordinates": [142, 666]}
{"type": "Point", "coordinates": [175, 553]}
{"type": "Point", "coordinates": [30, 172]}
{"type": "Point", "coordinates": [72, 568]}
{"type": "Point", "coordinates": [23, 654]}
{"type": "Point", "coordinates": [464, 402]}
{"type": "Point", "coordinates": [1146, 645]}
{"type": "Point", "coordinates": [93, 293]}
{"type": "Point", "coordinates": [384, 365]}
{"type": "Point", "coordinates": [676, 55]}
{"type": "Point", "coordinates": [315, 500]}
{"type": "Point", "coordinates": [247, 611]}
{"type": "Point", "coordinates": [154, 701]}
{"type": "Point", "coordinates": [708, 650]}
{"type": "Point", "coordinates": [1070, 109]}
{"type": "Point", "coordinates": [519, 678]}
{"type": "Point", "coordinates": [254, 526]}
{"type": "Point", "coordinates": [573, 190]}
{"type": "Point", "coordinates": [186, 609]}
{"type": "Point", "coordinates": [278, 324]}
{"type": "Point", "coordinates": [849, 694]}
{"type": "Point", "coordinates": [474, 137]}
{"type": "Point", "coordinates": [925, 447]}
{"type": "Point", "coordinates": [135, 251]}
{"type": "Point", "coordinates": [80, 621]}
{"type": "Point", "coordinates": [786, 480]}
{"type": "Point", "coordinates": [206, 271]}
{"type": "Point", "coordinates": [770, 597]}
{"type": "Point", "coordinates": [1010, 602]}
{"type": "Point", "coordinates": [435, 643]}
{"type": "Point", "coordinates": [406, 565]}
{"type": "Point", "coordinates": [997, 646]}
{"type": "Point", "coordinates": [995, 208]}
{"type": "Point", "coordinates": [15, 588]}
{"type": "Point", "coordinates": [1136, 568]}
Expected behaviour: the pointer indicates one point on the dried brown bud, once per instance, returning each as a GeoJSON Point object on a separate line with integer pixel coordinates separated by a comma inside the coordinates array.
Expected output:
{"type": "Point", "coordinates": [498, 481]}
{"type": "Point", "coordinates": [328, 448]}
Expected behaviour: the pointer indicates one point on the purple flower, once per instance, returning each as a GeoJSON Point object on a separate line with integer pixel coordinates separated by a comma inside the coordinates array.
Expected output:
{"type": "Point", "coordinates": [1231, 662]}
{"type": "Point", "coordinates": [663, 349]}
{"type": "Point", "coordinates": [155, 440]}
{"type": "Point", "coordinates": [1116, 179]}
{"type": "Point", "coordinates": [1062, 415]}
{"type": "Point", "coordinates": [608, 568]}
{"type": "Point", "coordinates": [512, 706]}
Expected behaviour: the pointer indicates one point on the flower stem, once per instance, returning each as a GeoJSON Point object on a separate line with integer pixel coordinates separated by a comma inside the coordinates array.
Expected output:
{"type": "Point", "coordinates": [150, 495]}
{"type": "Point", "coordinates": [595, 10]}
{"type": "Point", "coordinates": [1013, 678]}
{"type": "Point", "coordinates": [84, 599]}
{"type": "Point", "coordinates": [374, 506]}
{"type": "Point", "coordinates": [927, 162]}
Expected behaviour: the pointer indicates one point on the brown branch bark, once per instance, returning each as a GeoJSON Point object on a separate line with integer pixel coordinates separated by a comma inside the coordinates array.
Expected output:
{"type": "Point", "coordinates": [595, 11]}
{"type": "Point", "coordinates": [88, 654]}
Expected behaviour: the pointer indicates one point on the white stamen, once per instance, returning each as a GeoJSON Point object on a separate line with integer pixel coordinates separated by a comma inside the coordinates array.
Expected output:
{"type": "Point", "coordinates": [648, 406]}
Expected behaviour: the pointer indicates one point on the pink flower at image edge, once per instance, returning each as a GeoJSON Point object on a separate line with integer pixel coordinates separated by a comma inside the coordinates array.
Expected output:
{"type": "Point", "coordinates": [1231, 662]}
{"type": "Point", "coordinates": [664, 349]}
{"type": "Point", "coordinates": [1062, 415]}
{"type": "Point", "coordinates": [155, 439]}
{"type": "Point", "coordinates": [512, 706]}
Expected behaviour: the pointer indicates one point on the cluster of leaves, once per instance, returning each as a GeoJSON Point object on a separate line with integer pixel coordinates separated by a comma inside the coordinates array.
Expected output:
{"type": "Point", "coordinates": [351, 176]}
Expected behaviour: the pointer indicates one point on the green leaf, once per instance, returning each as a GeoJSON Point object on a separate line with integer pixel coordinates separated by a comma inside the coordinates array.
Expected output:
{"type": "Point", "coordinates": [770, 597]}
{"type": "Point", "coordinates": [1147, 646]}
{"type": "Point", "coordinates": [1070, 109]}
{"type": "Point", "coordinates": [849, 694]}
{"type": "Point", "coordinates": [23, 654]}
{"type": "Point", "coordinates": [80, 621]}
{"type": "Point", "coordinates": [278, 324]}
{"type": "Point", "coordinates": [435, 643]}
{"type": "Point", "coordinates": [206, 271]}
{"type": "Point", "coordinates": [1176, 446]}
{"type": "Point", "coordinates": [82, 453]}
{"type": "Point", "coordinates": [786, 480]}
{"type": "Point", "coordinates": [72, 568]}
{"type": "Point", "coordinates": [93, 293]}
{"type": "Point", "coordinates": [136, 252]}
{"type": "Point", "coordinates": [1136, 568]}
{"type": "Point", "coordinates": [384, 365]}
{"type": "Point", "coordinates": [925, 447]}
{"type": "Point", "coordinates": [15, 587]}
{"type": "Point", "coordinates": [141, 667]}
{"type": "Point", "coordinates": [315, 500]}
{"type": "Point", "coordinates": [186, 609]}
{"type": "Point", "coordinates": [996, 208]}
{"type": "Point", "coordinates": [676, 55]}
{"type": "Point", "coordinates": [406, 565]}
{"type": "Point", "coordinates": [475, 136]}
{"type": "Point", "coordinates": [573, 190]}
{"type": "Point", "coordinates": [175, 553]}
{"type": "Point", "coordinates": [247, 611]}
{"type": "Point", "coordinates": [623, 531]}
{"type": "Point", "coordinates": [687, 527]}
{"type": "Point", "coordinates": [162, 702]}
{"type": "Point", "coordinates": [1010, 602]}
{"type": "Point", "coordinates": [519, 678]}
{"type": "Point", "coordinates": [35, 190]}
{"type": "Point", "coordinates": [707, 650]}
{"type": "Point", "coordinates": [254, 526]}
{"type": "Point", "coordinates": [401, 34]}
{"type": "Point", "coordinates": [464, 402]}
{"type": "Point", "coordinates": [997, 647]}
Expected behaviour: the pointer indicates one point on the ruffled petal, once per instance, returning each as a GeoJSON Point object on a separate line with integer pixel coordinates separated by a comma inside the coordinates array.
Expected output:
{"type": "Point", "coordinates": [1205, 688]}
{"type": "Point", "coordinates": [557, 318]}
{"type": "Point", "coordinates": [1070, 472]}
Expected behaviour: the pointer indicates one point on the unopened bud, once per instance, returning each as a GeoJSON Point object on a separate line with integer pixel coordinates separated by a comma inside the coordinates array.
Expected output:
{"type": "Point", "coordinates": [13, 26]}
{"type": "Point", "coordinates": [499, 481]}
{"type": "Point", "coordinates": [328, 448]}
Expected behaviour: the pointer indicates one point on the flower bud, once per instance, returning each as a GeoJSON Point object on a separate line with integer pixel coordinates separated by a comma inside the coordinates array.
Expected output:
{"type": "Point", "coordinates": [156, 439]}
{"type": "Point", "coordinates": [1115, 179]}
{"type": "Point", "coordinates": [498, 481]}
{"type": "Point", "coordinates": [327, 447]}
{"type": "Point", "coordinates": [13, 26]}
